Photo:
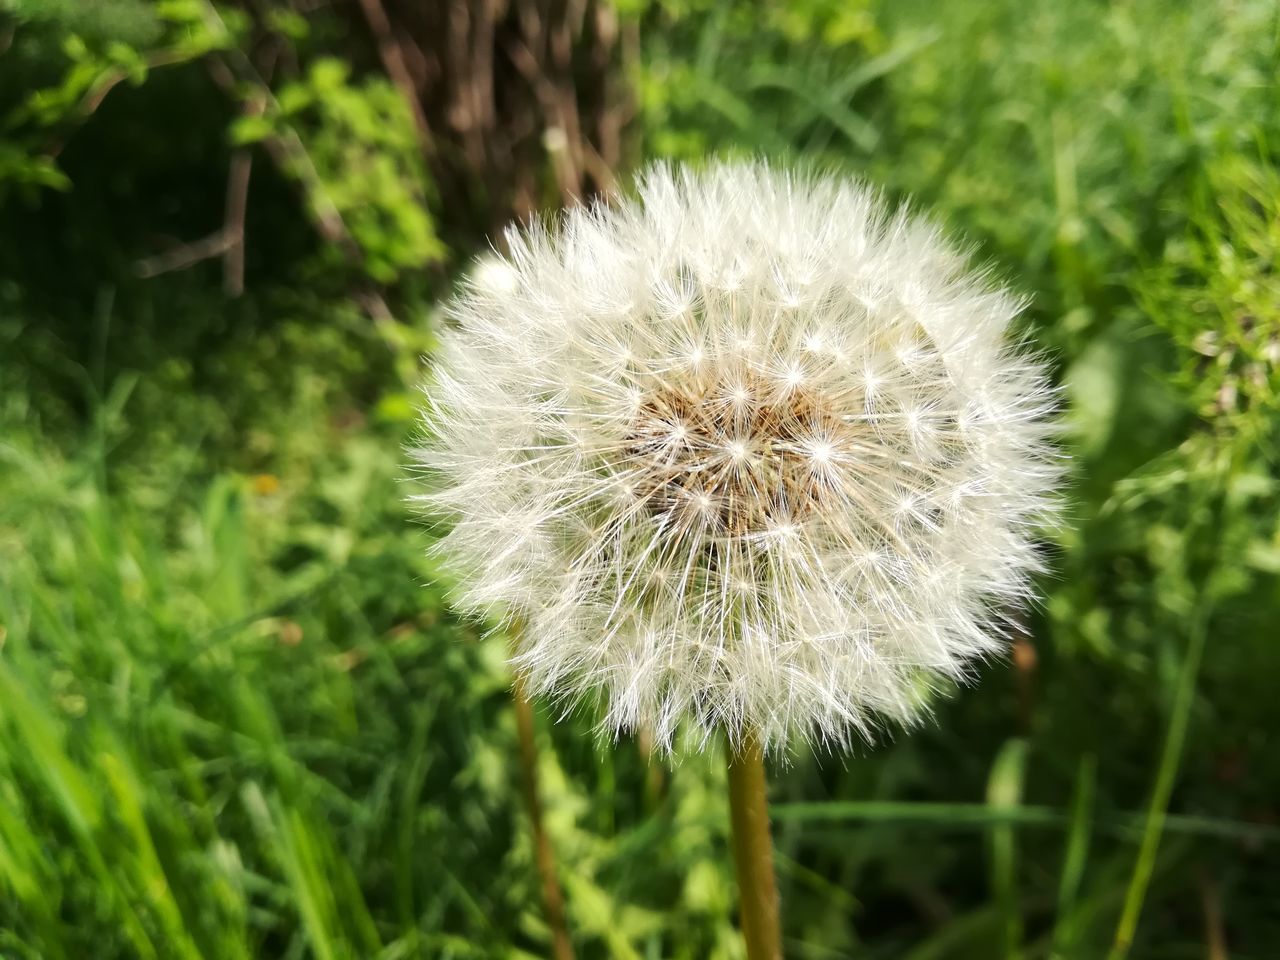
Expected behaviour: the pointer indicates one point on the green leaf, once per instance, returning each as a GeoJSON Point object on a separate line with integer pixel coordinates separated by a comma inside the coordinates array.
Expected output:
{"type": "Point", "coordinates": [251, 129]}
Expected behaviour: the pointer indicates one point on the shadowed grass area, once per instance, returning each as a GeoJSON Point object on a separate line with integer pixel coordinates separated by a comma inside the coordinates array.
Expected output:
{"type": "Point", "coordinates": [237, 718]}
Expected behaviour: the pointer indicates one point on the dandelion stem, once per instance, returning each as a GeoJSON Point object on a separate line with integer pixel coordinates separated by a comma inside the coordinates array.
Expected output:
{"type": "Point", "coordinates": [655, 783]}
{"type": "Point", "coordinates": [544, 853]}
{"type": "Point", "coordinates": [753, 850]}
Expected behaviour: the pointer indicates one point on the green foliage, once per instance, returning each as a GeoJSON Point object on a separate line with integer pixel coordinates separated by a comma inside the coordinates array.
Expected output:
{"type": "Point", "coordinates": [65, 57]}
{"type": "Point", "coordinates": [1216, 296]}
{"type": "Point", "coordinates": [349, 142]}
{"type": "Point", "coordinates": [237, 718]}
{"type": "Point", "coordinates": [203, 742]}
{"type": "Point", "coordinates": [365, 151]}
{"type": "Point", "coordinates": [783, 80]}
{"type": "Point", "coordinates": [131, 22]}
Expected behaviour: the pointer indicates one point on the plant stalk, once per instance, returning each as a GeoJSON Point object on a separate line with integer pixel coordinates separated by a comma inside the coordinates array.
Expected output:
{"type": "Point", "coordinates": [753, 850]}
{"type": "Point", "coordinates": [543, 851]}
{"type": "Point", "coordinates": [1166, 776]}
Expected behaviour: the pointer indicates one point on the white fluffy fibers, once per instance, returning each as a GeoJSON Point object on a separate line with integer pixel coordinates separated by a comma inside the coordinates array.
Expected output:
{"type": "Point", "coordinates": [748, 452]}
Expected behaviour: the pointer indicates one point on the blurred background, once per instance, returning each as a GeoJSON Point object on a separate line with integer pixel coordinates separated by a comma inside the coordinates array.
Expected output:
{"type": "Point", "coordinates": [237, 718]}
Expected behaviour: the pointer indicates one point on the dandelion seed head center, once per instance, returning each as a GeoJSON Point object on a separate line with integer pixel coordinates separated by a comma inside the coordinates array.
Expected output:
{"type": "Point", "coordinates": [738, 467]}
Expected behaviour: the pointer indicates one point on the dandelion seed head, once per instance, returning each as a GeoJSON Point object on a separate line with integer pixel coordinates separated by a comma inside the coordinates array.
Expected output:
{"type": "Point", "coordinates": [747, 452]}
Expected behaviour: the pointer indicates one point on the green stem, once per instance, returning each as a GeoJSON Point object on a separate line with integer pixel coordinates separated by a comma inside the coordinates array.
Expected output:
{"type": "Point", "coordinates": [753, 850]}
{"type": "Point", "coordinates": [543, 851]}
{"type": "Point", "coordinates": [1157, 811]}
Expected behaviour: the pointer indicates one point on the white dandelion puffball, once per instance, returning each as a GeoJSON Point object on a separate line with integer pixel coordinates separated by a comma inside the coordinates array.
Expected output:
{"type": "Point", "coordinates": [748, 452]}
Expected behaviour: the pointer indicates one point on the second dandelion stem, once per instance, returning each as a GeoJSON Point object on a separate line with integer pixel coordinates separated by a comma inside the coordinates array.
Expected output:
{"type": "Point", "coordinates": [544, 854]}
{"type": "Point", "coordinates": [753, 850]}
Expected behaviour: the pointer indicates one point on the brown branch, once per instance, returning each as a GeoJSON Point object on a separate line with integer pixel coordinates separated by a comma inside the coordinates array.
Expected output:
{"type": "Point", "coordinates": [608, 122]}
{"type": "Point", "coordinates": [560, 47]}
{"type": "Point", "coordinates": [1214, 929]}
{"type": "Point", "coordinates": [616, 41]}
{"type": "Point", "coordinates": [482, 85]}
{"type": "Point", "coordinates": [236, 209]}
{"type": "Point", "coordinates": [185, 255]}
{"type": "Point", "coordinates": [114, 77]}
{"type": "Point", "coordinates": [284, 145]}
{"type": "Point", "coordinates": [237, 201]}
{"type": "Point", "coordinates": [461, 110]}
{"type": "Point", "coordinates": [394, 62]}
{"type": "Point", "coordinates": [561, 111]}
{"type": "Point", "coordinates": [108, 81]}
{"type": "Point", "coordinates": [289, 153]}
{"type": "Point", "coordinates": [227, 242]}
{"type": "Point", "coordinates": [544, 853]}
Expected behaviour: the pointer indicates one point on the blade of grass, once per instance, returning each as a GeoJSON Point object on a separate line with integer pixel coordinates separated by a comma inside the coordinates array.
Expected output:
{"type": "Point", "coordinates": [312, 895]}
{"type": "Point", "coordinates": [409, 798]}
{"type": "Point", "coordinates": [41, 739]}
{"type": "Point", "coordinates": [1166, 775]}
{"type": "Point", "coordinates": [129, 799]}
{"type": "Point", "coordinates": [1004, 792]}
{"type": "Point", "coordinates": [979, 926]}
{"type": "Point", "coordinates": [977, 815]}
{"type": "Point", "coordinates": [1077, 853]}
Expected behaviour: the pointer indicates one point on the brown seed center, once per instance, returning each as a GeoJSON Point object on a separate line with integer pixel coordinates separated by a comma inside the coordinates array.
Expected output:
{"type": "Point", "coordinates": [734, 455]}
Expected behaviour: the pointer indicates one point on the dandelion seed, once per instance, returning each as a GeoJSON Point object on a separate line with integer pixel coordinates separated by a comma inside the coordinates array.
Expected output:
{"type": "Point", "coordinates": [748, 453]}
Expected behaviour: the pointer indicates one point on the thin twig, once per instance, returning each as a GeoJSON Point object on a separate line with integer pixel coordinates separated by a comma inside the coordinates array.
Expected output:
{"type": "Point", "coordinates": [108, 81]}
{"type": "Point", "coordinates": [289, 153]}
{"type": "Point", "coordinates": [544, 853]}
{"type": "Point", "coordinates": [561, 111]}
{"type": "Point", "coordinates": [394, 62]}
{"type": "Point", "coordinates": [287, 150]}
{"type": "Point", "coordinates": [1214, 931]}
{"type": "Point", "coordinates": [1025, 663]}
{"type": "Point", "coordinates": [237, 205]}
{"type": "Point", "coordinates": [185, 255]}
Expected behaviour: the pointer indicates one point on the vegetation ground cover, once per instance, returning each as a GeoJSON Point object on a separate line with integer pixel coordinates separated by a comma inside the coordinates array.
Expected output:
{"type": "Point", "coordinates": [237, 717]}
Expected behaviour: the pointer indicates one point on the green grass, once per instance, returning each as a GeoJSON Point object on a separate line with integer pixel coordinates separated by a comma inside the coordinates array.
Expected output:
{"type": "Point", "coordinates": [237, 718]}
{"type": "Point", "coordinates": [206, 718]}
